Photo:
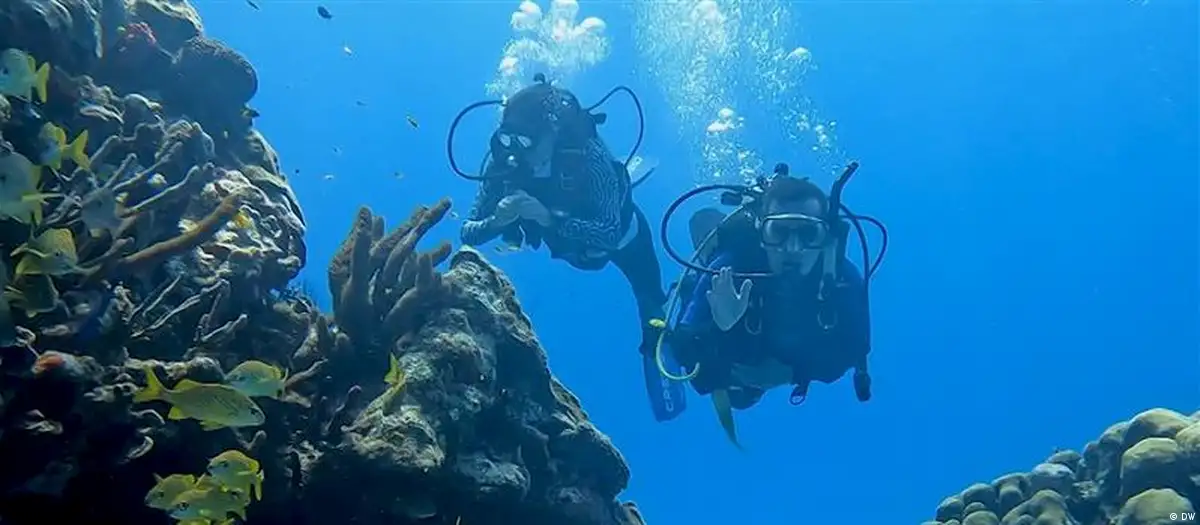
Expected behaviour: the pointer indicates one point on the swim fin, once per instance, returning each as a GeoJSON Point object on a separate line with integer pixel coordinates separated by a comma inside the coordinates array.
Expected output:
{"type": "Point", "coordinates": [668, 399]}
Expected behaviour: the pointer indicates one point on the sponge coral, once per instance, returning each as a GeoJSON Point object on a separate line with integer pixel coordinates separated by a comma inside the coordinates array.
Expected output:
{"type": "Point", "coordinates": [213, 77]}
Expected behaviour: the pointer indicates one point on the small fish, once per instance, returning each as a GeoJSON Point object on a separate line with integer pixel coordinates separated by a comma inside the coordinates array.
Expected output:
{"type": "Point", "coordinates": [328, 176]}
{"type": "Point", "coordinates": [324, 13]}
{"type": "Point", "coordinates": [250, 112]}
{"type": "Point", "coordinates": [19, 181]}
{"type": "Point", "coordinates": [50, 361]}
{"type": "Point", "coordinates": [100, 213]}
{"type": "Point", "coordinates": [210, 503]}
{"type": "Point", "coordinates": [505, 249]}
{"type": "Point", "coordinates": [395, 376]}
{"type": "Point", "coordinates": [252, 4]}
{"type": "Point", "coordinates": [215, 406]}
{"type": "Point", "coordinates": [412, 121]}
{"type": "Point", "coordinates": [347, 50]}
{"type": "Point", "coordinates": [337, 150]}
{"type": "Point", "coordinates": [257, 379]}
{"type": "Point", "coordinates": [20, 77]}
{"type": "Point", "coordinates": [165, 490]}
{"type": "Point", "coordinates": [360, 103]}
{"type": "Point", "coordinates": [241, 220]}
{"type": "Point", "coordinates": [51, 253]}
{"type": "Point", "coordinates": [235, 470]}
{"type": "Point", "coordinates": [55, 147]}
{"type": "Point", "coordinates": [398, 175]}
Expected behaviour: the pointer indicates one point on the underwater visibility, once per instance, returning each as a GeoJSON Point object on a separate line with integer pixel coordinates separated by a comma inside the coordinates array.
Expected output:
{"type": "Point", "coordinates": [676, 278]}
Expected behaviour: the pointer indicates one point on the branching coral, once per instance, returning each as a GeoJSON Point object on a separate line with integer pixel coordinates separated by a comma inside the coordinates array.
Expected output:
{"type": "Point", "coordinates": [379, 283]}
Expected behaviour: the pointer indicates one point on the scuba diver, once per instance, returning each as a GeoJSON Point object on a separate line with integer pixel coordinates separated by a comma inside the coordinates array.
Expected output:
{"type": "Point", "coordinates": [550, 179]}
{"type": "Point", "coordinates": [770, 298]}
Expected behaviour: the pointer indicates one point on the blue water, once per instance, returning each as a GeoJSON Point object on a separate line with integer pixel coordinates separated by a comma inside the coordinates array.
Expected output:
{"type": "Point", "coordinates": [1035, 162]}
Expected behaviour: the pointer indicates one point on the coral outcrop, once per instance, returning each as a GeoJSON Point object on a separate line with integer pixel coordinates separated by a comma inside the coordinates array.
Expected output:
{"type": "Point", "coordinates": [482, 431]}
{"type": "Point", "coordinates": [1145, 471]}
{"type": "Point", "coordinates": [168, 246]}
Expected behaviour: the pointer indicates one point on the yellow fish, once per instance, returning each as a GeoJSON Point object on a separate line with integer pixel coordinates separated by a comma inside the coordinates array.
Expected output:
{"type": "Point", "coordinates": [210, 503]}
{"type": "Point", "coordinates": [724, 408]}
{"type": "Point", "coordinates": [215, 406]}
{"type": "Point", "coordinates": [55, 148]}
{"type": "Point", "coordinates": [235, 470]}
{"type": "Point", "coordinates": [19, 181]}
{"type": "Point", "coordinates": [257, 379]}
{"type": "Point", "coordinates": [395, 376]}
{"type": "Point", "coordinates": [20, 77]}
{"type": "Point", "coordinates": [165, 490]}
{"type": "Point", "coordinates": [51, 253]}
{"type": "Point", "coordinates": [241, 220]}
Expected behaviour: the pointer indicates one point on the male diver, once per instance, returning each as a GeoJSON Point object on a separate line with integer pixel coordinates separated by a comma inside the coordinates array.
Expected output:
{"type": "Point", "coordinates": [776, 302]}
{"type": "Point", "coordinates": [549, 178]}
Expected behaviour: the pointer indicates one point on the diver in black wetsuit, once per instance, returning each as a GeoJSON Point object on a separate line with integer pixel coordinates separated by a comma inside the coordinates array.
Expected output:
{"type": "Point", "coordinates": [549, 178]}
{"type": "Point", "coordinates": [800, 312]}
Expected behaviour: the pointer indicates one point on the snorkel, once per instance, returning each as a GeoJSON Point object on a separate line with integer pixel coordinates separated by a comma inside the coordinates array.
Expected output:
{"type": "Point", "coordinates": [502, 142]}
{"type": "Point", "coordinates": [749, 199]}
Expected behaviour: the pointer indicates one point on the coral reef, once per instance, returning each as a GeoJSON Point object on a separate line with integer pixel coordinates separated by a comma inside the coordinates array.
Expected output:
{"type": "Point", "coordinates": [481, 430]}
{"type": "Point", "coordinates": [162, 241]}
{"type": "Point", "coordinates": [1145, 471]}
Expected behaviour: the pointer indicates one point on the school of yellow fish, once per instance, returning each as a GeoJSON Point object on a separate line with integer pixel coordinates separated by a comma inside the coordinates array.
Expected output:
{"type": "Point", "coordinates": [231, 482]}
{"type": "Point", "coordinates": [233, 479]}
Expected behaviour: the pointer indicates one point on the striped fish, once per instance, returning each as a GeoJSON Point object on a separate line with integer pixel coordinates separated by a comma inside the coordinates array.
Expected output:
{"type": "Point", "coordinates": [214, 405]}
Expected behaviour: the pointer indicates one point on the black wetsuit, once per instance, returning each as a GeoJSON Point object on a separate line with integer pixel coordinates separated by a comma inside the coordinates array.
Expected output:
{"type": "Point", "coordinates": [589, 196]}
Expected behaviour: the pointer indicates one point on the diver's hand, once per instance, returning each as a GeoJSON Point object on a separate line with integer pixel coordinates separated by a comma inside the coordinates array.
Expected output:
{"type": "Point", "coordinates": [727, 304]}
{"type": "Point", "coordinates": [509, 208]}
{"type": "Point", "coordinates": [533, 210]}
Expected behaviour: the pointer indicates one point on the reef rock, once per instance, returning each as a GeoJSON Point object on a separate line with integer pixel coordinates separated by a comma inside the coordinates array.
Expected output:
{"type": "Point", "coordinates": [174, 21]}
{"type": "Point", "coordinates": [65, 32]}
{"type": "Point", "coordinates": [1145, 471]}
{"type": "Point", "coordinates": [480, 430]}
{"type": "Point", "coordinates": [183, 238]}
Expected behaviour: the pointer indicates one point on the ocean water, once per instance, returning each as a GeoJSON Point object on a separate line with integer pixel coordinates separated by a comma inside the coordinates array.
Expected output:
{"type": "Point", "coordinates": [1035, 162]}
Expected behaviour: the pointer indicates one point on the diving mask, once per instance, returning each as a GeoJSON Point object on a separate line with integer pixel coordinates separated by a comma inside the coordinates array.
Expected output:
{"type": "Point", "coordinates": [794, 231]}
{"type": "Point", "coordinates": [517, 149]}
